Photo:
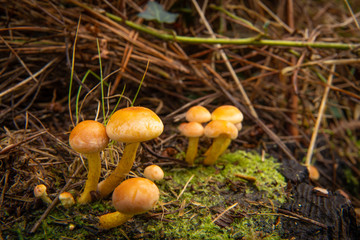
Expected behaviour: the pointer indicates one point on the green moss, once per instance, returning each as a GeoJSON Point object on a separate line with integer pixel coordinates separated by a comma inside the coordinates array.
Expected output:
{"type": "Point", "coordinates": [217, 187]}
{"type": "Point", "coordinates": [183, 212]}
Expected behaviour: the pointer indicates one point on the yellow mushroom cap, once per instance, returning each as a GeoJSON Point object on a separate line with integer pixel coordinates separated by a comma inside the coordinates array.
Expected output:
{"type": "Point", "coordinates": [66, 199]}
{"type": "Point", "coordinates": [191, 129]}
{"type": "Point", "coordinates": [134, 124]}
{"type": "Point", "coordinates": [154, 173]}
{"type": "Point", "coordinates": [313, 173]}
{"type": "Point", "coordinates": [228, 113]}
{"type": "Point", "coordinates": [88, 136]}
{"type": "Point", "coordinates": [40, 190]}
{"type": "Point", "coordinates": [135, 196]}
{"type": "Point", "coordinates": [198, 114]}
{"type": "Point", "coordinates": [216, 128]}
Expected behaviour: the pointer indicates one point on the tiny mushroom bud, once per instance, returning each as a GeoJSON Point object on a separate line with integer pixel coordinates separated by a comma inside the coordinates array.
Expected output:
{"type": "Point", "coordinates": [133, 196]}
{"type": "Point", "coordinates": [130, 125]}
{"type": "Point", "coordinates": [66, 199]}
{"type": "Point", "coordinates": [198, 114]}
{"type": "Point", "coordinates": [192, 130]}
{"type": "Point", "coordinates": [314, 174]}
{"type": "Point", "coordinates": [221, 130]}
{"type": "Point", "coordinates": [40, 192]}
{"type": "Point", "coordinates": [154, 173]}
{"type": "Point", "coordinates": [89, 138]}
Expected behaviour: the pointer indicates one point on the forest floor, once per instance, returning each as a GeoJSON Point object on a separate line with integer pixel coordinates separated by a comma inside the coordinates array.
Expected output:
{"type": "Point", "coordinates": [291, 67]}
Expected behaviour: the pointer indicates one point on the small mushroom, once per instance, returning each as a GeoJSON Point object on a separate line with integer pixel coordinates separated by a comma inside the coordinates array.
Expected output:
{"type": "Point", "coordinates": [130, 125]}
{"type": "Point", "coordinates": [192, 130]}
{"type": "Point", "coordinates": [89, 138]}
{"type": "Point", "coordinates": [154, 173]}
{"type": "Point", "coordinates": [221, 131]}
{"type": "Point", "coordinates": [133, 196]}
{"type": "Point", "coordinates": [314, 174]}
{"type": "Point", "coordinates": [228, 113]}
{"type": "Point", "coordinates": [66, 199]}
{"type": "Point", "coordinates": [40, 192]}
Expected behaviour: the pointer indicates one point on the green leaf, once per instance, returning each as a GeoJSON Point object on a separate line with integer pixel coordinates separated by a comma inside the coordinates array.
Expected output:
{"type": "Point", "coordinates": [155, 11]}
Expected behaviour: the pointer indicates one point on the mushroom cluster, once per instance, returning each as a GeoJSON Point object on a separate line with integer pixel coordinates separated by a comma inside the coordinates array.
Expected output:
{"type": "Point", "coordinates": [131, 126]}
{"type": "Point", "coordinates": [225, 122]}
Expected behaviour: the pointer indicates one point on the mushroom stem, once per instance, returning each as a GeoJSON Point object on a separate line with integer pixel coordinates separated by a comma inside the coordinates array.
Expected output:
{"type": "Point", "coordinates": [192, 149]}
{"type": "Point", "coordinates": [215, 150]}
{"type": "Point", "coordinates": [112, 220]}
{"type": "Point", "coordinates": [40, 192]}
{"type": "Point", "coordinates": [223, 147]}
{"type": "Point", "coordinates": [106, 186]}
{"type": "Point", "coordinates": [94, 165]}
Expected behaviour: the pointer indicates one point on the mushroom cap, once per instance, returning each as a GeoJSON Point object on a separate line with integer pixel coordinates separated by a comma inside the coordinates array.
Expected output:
{"type": "Point", "coordinates": [228, 113]}
{"type": "Point", "coordinates": [40, 190]}
{"type": "Point", "coordinates": [134, 124]}
{"type": "Point", "coordinates": [191, 129]}
{"type": "Point", "coordinates": [313, 173]}
{"type": "Point", "coordinates": [154, 173]}
{"type": "Point", "coordinates": [88, 136]}
{"type": "Point", "coordinates": [216, 128]}
{"type": "Point", "coordinates": [198, 114]}
{"type": "Point", "coordinates": [66, 199]}
{"type": "Point", "coordinates": [135, 196]}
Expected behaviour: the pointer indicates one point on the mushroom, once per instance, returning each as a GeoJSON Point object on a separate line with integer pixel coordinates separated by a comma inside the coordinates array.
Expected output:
{"type": "Point", "coordinates": [314, 174]}
{"type": "Point", "coordinates": [221, 130]}
{"type": "Point", "coordinates": [133, 196]}
{"type": "Point", "coordinates": [198, 114]}
{"type": "Point", "coordinates": [130, 125]}
{"type": "Point", "coordinates": [40, 192]}
{"type": "Point", "coordinates": [229, 113]}
{"type": "Point", "coordinates": [154, 173]}
{"type": "Point", "coordinates": [66, 199]}
{"type": "Point", "coordinates": [89, 138]}
{"type": "Point", "coordinates": [192, 130]}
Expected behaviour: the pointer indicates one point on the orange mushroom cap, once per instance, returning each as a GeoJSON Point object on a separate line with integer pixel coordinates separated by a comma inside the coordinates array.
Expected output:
{"type": "Point", "coordinates": [88, 136]}
{"type": "Point", "coordinates": [66, 199]}
{"type": "Point", "coordinates": [135, 196]}
{"type": "Point", "coordinates": [216, 128]}
{"type": "Point", "coordinates": [191, 129]}
{"type": "Point", "coordinates": [154, 173]}
{"type": "Point", "coordinates": [198, 114]}
{"type": "Point", "coordinates": [228, 113]}
{"type": "Point", "coordinates": [40, 190]}
{"type": "Point", "coordinates": [134, 124]}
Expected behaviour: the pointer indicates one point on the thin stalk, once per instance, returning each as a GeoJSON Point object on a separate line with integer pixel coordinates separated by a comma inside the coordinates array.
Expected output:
{"type": "Point", "coordinates": [256, 40]}
{"type": "Point", "coordinates": [72, 70]}
{"type": "Point", "coordinates": [101, 80]}
{"type": "Point", "coordinates": [236, 41]}
{"type": "Point", "coordinates": [141, 82]}
{"type": "Point", "coordinates": [79, 90]}
{"type": "Point", "coordinates": [319, 118]}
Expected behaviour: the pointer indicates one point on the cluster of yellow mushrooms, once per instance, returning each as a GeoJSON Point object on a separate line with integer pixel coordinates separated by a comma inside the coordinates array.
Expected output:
{"type": "Point", "coordinates": [222, 125]}
{"type": "Point", "coordinates": [131, 126]}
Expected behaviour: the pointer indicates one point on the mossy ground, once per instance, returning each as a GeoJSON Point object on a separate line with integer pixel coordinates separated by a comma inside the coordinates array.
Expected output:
{"type": "Point", "coordinates": [191, 198]}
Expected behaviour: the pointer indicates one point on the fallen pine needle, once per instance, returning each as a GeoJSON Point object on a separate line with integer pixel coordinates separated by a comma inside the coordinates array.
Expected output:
{"type": "Point", "coordinates": [246, 177]}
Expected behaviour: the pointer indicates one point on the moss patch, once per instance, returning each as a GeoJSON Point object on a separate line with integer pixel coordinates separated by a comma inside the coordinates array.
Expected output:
{"type": "Point", "coordinates": [191, 199]}
{"type": "Point", "coordinates": [213, 189]}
